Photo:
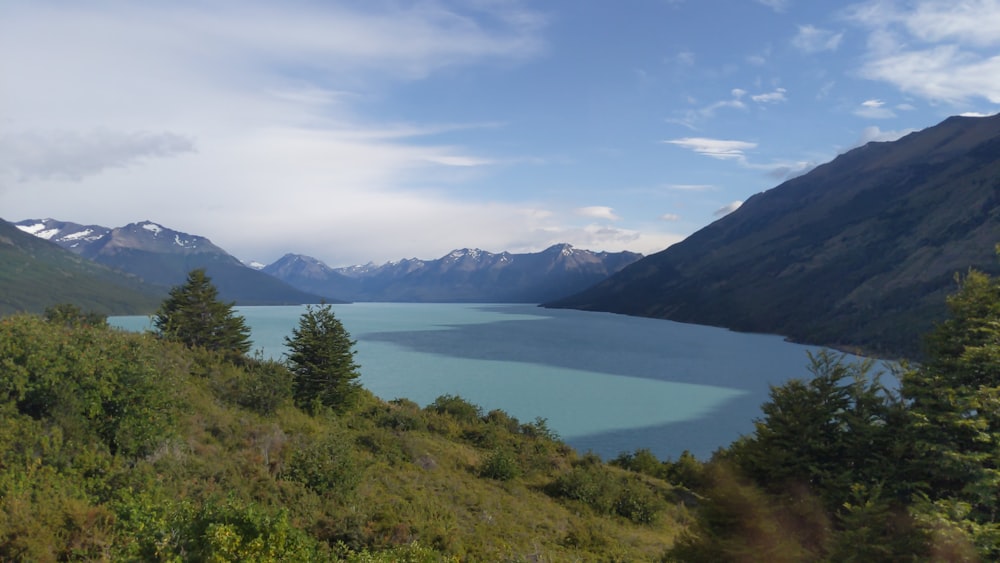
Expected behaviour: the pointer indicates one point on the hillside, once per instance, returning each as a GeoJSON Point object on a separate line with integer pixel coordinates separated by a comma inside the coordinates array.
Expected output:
{"type": "Point", "coordinates": [163, 256]}
{"type": "Point", "coordinates": [36, 274]}
{"type": "Point", "coordinates": [466, 275]}
{"type": "Point", "coordinates": [119, 446]}
{"type": "Point", "coordinates": [859, 252]}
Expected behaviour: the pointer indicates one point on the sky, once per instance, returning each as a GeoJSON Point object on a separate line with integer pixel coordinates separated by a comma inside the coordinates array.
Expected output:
{"type": "Point", "coordinates": [375, 130]}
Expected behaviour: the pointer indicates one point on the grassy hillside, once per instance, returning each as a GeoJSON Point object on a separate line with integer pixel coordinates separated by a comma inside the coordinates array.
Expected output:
{"type": "Point", "coordinates": [123, 446]}
{"type": "Point", "coordinates": [35, 274]}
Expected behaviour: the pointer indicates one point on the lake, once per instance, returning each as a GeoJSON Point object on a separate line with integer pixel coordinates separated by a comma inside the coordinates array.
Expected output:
{"type": "Point", "coordinates": [606, 383]}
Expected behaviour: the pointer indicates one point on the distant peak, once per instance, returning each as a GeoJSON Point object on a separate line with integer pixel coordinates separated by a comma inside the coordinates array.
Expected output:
{"type": "Point", "coordinates": [563, 248]}
{"type": "Point", "coordinates": [151, 227]}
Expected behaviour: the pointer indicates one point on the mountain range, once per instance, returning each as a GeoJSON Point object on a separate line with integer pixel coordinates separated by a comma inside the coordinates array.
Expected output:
{"type": "Point", "coordinates": [859, 253]}
{"type": "Point", "coordinates": [163, 257]}
{"type": "Point", "coordinates": [35, 274]}
{"type": "Point", "coordinates": [466, 275]}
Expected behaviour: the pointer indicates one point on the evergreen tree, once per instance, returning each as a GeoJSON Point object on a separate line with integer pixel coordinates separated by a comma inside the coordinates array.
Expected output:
{"type": "Point", "coordinates": [955, 411]}
{"type": "Point", "coordinates": [322, 359]}
{"type": "Point", "coordinates": [193, 315]}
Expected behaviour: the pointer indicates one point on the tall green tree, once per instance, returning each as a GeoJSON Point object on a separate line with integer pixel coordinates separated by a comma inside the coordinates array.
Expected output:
{"type": "Point", "coordinates": [955, 410]}
{"type": "Point", "coordinates": [321, 357]}
{"type": "Point", "coordinates": [194, 315]}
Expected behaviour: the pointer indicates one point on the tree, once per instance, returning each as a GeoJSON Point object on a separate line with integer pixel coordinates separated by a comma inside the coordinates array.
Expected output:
{"type": "Point", "coordinates": [73, 316]}
{"type": "Point", "coordinates": [955, 410]}
{"type": "Point", "coordinates": [322, 359]}
{"type": "Point", "coordinates": [193, 315]}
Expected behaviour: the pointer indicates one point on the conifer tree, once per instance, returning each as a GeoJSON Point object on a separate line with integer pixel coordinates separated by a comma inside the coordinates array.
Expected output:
{"type": "Point", "coordinates": [322, 359]}
{"type": "Point", "coordinates": [955, 410]}
{"type": "Point", "coordinates": [193, 315]}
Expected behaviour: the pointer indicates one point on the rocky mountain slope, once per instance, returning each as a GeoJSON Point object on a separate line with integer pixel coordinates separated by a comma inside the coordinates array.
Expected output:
{"type": "Point", "coordinates": [36, 274]}
{"type": "Point", "coordinates": [163, 256]}
{"type": "Point", "coordinates": [860, 252]}
{"type": "Point", "coordinates": [461, 276]}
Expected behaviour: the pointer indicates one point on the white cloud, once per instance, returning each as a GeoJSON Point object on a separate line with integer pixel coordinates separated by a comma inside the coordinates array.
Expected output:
{"type": "Point", "coordinates": [935, 49]}
{"type": "Point", "coordinates": [972, 21]}
{"type": "Point", "coordinates": [736, 151]}
{"type": "Point", "coordinates": [670, 217]}
{"type": "Point", "coordinates": [944, 73]}
{"type": "Point", "coordinates": [716, 148]}
{"type": "Point", "coordinates": [728, 208]}
{"type": "Point", "coordinates": [977, 114]}
{"type": "Point", "coordinates": [811, 39]}
{"type": "Point", "coordinates": [251, 125]}
{"type": "Point", "coordinates": [72, 155]}
{"type": "Point", "coordinates": [778, 95]}
{"type": "Point", "coordinates": [874, 109]}
{"type": "Point", "coordinates": [598, 212]}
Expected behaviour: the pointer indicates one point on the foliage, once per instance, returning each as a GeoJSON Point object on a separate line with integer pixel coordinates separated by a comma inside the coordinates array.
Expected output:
{"type": "Point", "coordinates": [119, 446]}
{"type": "Point", "coordinates": [597, 486]}
{"type": "Point", "coordinates": [321, 357]}
{"type": "Point", "coordinates": [95, 382]}
{"type": "Point", "coordinates": [71, 315]}
{"type": "Point", "coordinates": [955, 410]}
{"type": "Point", "coordinates": [326, 465]}
{"type": "Point", "coordinates": [501, 465]}
{"type": "Point", "coordinates": [193, 315]}
{"type": "Point", "coordinates": [841, 469]}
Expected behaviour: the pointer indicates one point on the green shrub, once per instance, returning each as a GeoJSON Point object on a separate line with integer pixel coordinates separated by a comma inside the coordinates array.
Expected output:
{"type": "Point", "coordinates": [501, 465]}
{"type": "Point", "coordinates": [92, 381]}
{"type": "Point", "coordinates": [264, 386]}
{"type": "Point", "coordinates": [326, 466]}
{"type": "Point", "coordinates": [456, 407]}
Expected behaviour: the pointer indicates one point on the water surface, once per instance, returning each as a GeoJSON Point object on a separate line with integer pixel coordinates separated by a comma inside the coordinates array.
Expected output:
{"type": "Point", "coordinates": [607, 383]}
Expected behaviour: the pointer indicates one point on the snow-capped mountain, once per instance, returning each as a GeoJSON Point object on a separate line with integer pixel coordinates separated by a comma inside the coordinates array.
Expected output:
{"type": "Point", "coordinates": [465, 275]}
{"type": "Point", "coordinates": [71, 236]}
{"type": "Point", "coordinates": [162, 256]}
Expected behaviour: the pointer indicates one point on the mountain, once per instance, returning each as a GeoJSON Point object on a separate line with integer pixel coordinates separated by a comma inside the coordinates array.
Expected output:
{"type": "Point", "coordinates": [36, 274]}
{"type": "Point", "coordinates": [163, 256]}
{"type": "Point", "coordinates": [860, 252]}
{"type": "Point", "coordinates": [466, 275]}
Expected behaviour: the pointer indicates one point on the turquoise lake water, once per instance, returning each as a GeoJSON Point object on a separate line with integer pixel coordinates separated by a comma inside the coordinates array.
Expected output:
{"type": "Point", "coordinates": [606, 383]}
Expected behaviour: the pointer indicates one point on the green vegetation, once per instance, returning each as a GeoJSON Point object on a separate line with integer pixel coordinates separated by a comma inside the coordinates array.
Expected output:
{"type": "Point", "coordinates": [841, 469]}
{"type": "Point", "coordinates": [322, 360]}
{"type": "Point", "coordinates": [36, 274]}
{"type": "Point", "coordinates": [194, 316]}
{"type": "Point", "coordinates": [120, 446]}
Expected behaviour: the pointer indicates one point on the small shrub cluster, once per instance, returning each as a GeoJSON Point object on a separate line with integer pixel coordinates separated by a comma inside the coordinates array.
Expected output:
{"type": "Point", "coordinates": [595, 485]}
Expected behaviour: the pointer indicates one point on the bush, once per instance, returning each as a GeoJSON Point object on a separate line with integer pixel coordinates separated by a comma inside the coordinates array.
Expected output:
{"type": "Point", "coordinates": [326, 466]}
{"type": "Point", "coordinates": [93, 381]}
{"type": "Point", "coordinates": [501, 465]}
{"type": "Point", "coordinates": [456, 407]}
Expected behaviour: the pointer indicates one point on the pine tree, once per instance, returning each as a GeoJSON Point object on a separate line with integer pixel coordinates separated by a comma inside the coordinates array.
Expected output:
{"type": "Point", "coordinates": [955, 410]}
{"type": "Point", "coordinates": [322, 360]}
{"type": "Point", "coordinates": [193, 315]}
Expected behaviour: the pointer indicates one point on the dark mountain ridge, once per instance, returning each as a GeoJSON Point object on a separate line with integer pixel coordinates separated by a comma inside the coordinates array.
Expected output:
{"type": "Point", "coordinates": [466, 275]}
{"type": "Point", "coordinates": [858, 253]}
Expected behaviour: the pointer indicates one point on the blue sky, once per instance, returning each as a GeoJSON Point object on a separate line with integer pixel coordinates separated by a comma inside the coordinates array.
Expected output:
{"type": "Point", "coordinates": [378, 130]}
